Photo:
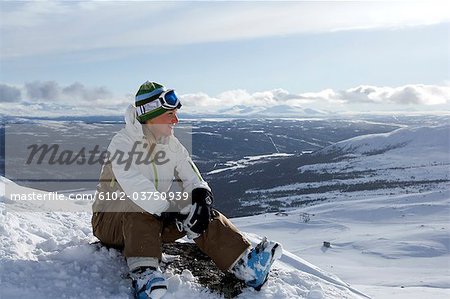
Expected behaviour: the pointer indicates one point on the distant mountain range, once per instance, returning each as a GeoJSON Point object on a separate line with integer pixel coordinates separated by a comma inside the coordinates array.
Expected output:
{"type": "Point", "coordinates": [274, 111]}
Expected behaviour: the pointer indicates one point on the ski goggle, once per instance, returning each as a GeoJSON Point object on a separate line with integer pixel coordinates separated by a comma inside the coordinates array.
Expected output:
{"type": "Point", "coordinates": [169, 100]}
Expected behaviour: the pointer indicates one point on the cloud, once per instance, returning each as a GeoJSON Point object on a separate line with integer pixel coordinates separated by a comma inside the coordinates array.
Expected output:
{"type": "Point", "coordinates": [49, 98]}
{"type": "Point", "coordinates": [419, 94]}
{"type": "Point", "coordinates": [408, 96]}
{"type": "Point", "coordinates": [9, 93]}
{"type": "Point", "coordinates": [37, 90]}
{"type": "Point", "coordinates": [238, 97]}
{"type": "Point", "coordinates": [78, 90]}
{"type": "Point", "coordinates": [74, 93]}
{"type": "Point", "coordinates": [30, 28]}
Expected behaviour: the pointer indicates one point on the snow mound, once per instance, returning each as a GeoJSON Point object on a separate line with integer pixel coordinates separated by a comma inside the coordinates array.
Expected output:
{"type": "Point", "coordinates": [48, 254]}
{"type": "Point", "coordinates": [411, 141]}
{"type": "Point", "coordinates": [419, 154]}
{"type": "Point", "coordinates": [388, 246]}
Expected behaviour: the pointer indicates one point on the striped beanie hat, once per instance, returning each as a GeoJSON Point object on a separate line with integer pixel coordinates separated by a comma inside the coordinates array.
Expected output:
{"type": "Point", "coordinates": [146, 101]}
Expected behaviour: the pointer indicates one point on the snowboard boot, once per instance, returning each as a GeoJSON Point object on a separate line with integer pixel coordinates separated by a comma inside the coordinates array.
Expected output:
{"type": "Point", "coordinates": [254, 266]}
{"type": "Point", "coordinates": [148, 283]}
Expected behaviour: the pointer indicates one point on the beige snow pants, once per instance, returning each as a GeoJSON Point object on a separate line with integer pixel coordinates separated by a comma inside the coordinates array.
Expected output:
{"type": "Point", "coordinates": [140, 234]}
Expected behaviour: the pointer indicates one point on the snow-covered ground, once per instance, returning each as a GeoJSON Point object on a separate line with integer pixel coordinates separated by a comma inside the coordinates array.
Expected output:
{"type": "Point", "coordinates": [385, 246]}
{"type": "Point", "coordinates": [388, 246]}
{"type": "Point", "coordinates": [387, 243]}
{"type": "Point", "coordinates": [47, 254]}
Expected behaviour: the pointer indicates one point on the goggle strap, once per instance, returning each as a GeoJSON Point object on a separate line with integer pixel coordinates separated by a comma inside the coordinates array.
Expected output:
{"type": "Point", "coordinates": [148, 95]}
{"type": "Point", "coordinates": [151, 114]}
{"type": "Point", "coordinates": [148, 107]}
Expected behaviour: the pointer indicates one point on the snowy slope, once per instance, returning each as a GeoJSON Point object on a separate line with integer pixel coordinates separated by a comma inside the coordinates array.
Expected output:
{"type": "Point", "coordinates": [408, 156]}
{"type": "Point", "coordinates": [386, 246]}
{"type": "Point", "coordinates": [47, 254]}
{"type": "Point", "coordinates": [405, 147]}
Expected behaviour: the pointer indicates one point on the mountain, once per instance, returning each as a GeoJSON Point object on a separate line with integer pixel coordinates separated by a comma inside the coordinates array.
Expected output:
{"type": "Point", "coordinates": [409, 141]}
{"type": "Point", "coordinates": [277, 111]}
{"type": "Point", "coordinates": [238, 110]}
{"type": "Point", "coordinates": [405, 159]}
{"type": "Point", "coordinates": [290, 111]}
{"type": "Point", "coordinates": [410, 155]}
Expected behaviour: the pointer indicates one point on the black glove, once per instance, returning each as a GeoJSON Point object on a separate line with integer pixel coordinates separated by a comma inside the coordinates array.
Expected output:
{"type": "Point", "coordinates": [201, 211]}
{"type": "Point", "coordinates": [202, 196]}
{"type": "Point", "coordinates": [173, 212]}
{"type": "Point", "coordinates": [171, 217]}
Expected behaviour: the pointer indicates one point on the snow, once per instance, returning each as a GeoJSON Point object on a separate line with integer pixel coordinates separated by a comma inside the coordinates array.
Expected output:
{"type": "Point", "coordinates": [390, 243]}
{"type": "Point", "coordinates": [247, 161]}
{"type": "Point", "coordinates": [47, 254]}
{"type": "Point", "coordinates": [384, 245]}
{"type": "Point", "coordinates": [408, 148]}
{"type": "Point", "coordinates": [418, 139]}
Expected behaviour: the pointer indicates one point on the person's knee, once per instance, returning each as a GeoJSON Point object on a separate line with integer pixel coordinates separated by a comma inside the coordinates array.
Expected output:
{"type": "Point", "coordinates": [142, 235]}
{"type": "Point", "coordinates": [107, 228]}
{"type": "Point", "coordinates": [138, 220]}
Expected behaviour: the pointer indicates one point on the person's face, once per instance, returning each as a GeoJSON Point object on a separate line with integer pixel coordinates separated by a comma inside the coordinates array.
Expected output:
{"type": "Point", "coordinates": [162, 126]}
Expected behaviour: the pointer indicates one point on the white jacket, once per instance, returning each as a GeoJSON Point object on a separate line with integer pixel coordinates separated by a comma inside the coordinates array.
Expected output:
{"type": "Point", "coordinates": [138, 179]}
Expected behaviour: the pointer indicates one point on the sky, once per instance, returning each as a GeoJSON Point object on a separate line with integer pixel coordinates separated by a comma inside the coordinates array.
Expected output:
{"type": "Point", "coordinates": [85, 58]}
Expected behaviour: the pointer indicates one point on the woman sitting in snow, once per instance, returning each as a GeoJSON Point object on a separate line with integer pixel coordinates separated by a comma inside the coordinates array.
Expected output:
{"type": "Point", "coordinates": [130, 215]}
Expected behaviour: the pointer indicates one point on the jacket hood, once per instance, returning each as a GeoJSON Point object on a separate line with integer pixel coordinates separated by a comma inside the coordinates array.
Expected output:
{"type": "Point", "coordinates": [136, 130]}
{"type": "Point", "coordinates": [132, 125]}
